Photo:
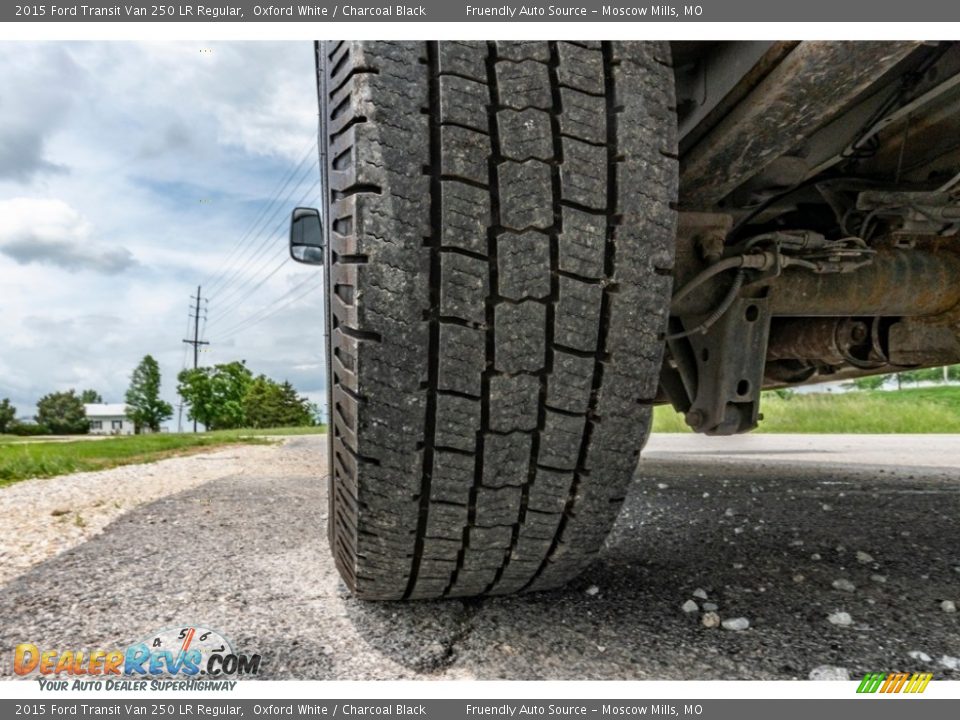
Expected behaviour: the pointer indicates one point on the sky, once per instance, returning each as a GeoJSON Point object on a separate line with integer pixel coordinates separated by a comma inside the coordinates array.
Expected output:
{"type": "Point", "coordinates": [129, 174]}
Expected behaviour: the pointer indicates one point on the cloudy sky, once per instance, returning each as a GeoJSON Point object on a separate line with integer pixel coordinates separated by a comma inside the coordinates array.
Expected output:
{"type": "Point", "coordinates": [129, 174]}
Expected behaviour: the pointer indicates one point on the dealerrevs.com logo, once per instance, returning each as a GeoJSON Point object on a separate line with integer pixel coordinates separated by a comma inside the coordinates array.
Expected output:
{"type": "Point", "coordinates": [184, 658]}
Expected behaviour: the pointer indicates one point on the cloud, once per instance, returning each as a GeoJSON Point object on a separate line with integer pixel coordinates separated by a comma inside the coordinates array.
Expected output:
{"type": "Point", "coordinates": [21, 154]}
{"type": "Point", "coordinates": [50, 232]}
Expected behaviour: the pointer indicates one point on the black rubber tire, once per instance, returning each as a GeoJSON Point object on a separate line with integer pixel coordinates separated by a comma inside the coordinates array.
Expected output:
{"type": "Point", "coordinates": [502, 232]}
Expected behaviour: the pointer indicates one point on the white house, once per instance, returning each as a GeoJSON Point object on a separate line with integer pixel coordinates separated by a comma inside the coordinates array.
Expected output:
{"type": "Point", "coordinates": [109, 419]}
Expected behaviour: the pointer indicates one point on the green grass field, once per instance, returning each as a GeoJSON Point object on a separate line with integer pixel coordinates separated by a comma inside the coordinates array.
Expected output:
{"type": "Point", "coordinates": [911, 410]}
{"type": "Point", "coordinates": [22, 458]}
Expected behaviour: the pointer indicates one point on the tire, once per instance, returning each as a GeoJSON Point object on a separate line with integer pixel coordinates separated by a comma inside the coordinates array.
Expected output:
{"type": "Point", "coordinates": [501, 238]}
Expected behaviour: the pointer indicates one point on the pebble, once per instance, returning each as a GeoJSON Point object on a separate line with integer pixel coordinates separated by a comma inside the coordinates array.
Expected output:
{"type": "Point", "coordinates": [690, 607]}
{"type": "Point", "coordinates": [592, 590]}
{"type": "Point", "coordinates": [709, 606]}
{"type": "Point", "coordinates": [863, 557]}
{"type": "Point", "coordinates": [662, 486]}
{"type": "Point", "coordinates": [879, 578]}
{"type": "Point", "coordinates": [829, 672]}
{"type": "Point", "coordinates": [798, 578]}
{"type": "Point", "coordinates": [840, 618]}
{"type": "Point", "coordinates": [815, 556]}
{"type": "Point", "coordinates": [948, 606]}
{"type": "Point", "coordinates": [844, 585]}
{"type": "Point", "coordinates": [736, 624]}
{"type": "Point", "coordinates": [920, 655]}
{"type": "Point", "coordinates": [951, 663]}
{"type": "Point", "coordinates": [700, 593]}
{"type": "Point", "coordinates": [711, 620]}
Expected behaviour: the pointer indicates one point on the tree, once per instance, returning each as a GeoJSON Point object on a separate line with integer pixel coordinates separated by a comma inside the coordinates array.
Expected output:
{"type": "Point", "coordinates": [62, 413]}
{"type": "Point", "coordinates": [144, 406]}
{"type": "Point", "coordinates": [268, 404]}
{"type": "Point", "coordinates": [870, 382]}
{"type": "Point", "coordinates": [8, 414]}
{"type": "Point", "coordinates": [91, 397]}
{"type": "Point", "coordinates": [215, 395]}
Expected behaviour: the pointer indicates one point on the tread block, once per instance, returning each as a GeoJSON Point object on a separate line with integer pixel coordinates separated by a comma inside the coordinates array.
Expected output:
{"type": "Point", "coordinates": [462, 358]}
{"type": "Point", "coordinates": [582, 243]}
{"type": "Point", "coordinates": [463, 58]}
{"type": "Point", "coordinates": [464, 102]}
{"type": "Point", "coordinates": [464, 153]}
{"type": "Point", "coordinates": [520, 337]}
{"type": "Point", "coordinates": [526, 195]}
{"type": "Point", "coordinates": [523, 265]}
{"type": "Point", "coordinates": [523, 50]}
{"type": "Point", "coordinates": [463, 287]}
{"type": "Point", "coordinates": [494, 540]}
{"type": "Point", "coordinates": [570, 383]}
{"type": "Point", "coordinates": [583, 174]}
{"type": "Point", "coordinates": [561, 439]}
{"type": "Point", "coordinates": [577, 319]}
{"type": "Point", "coordinates": [465, 216]}
{"type": "Point", "coordinates": [523, 84]}
{"type": "Point", "coordinates": [584, 116]}
{"type": "Point", "coordinates": [458, 420]}
{"type": "Point", "coordinates": [548, 494]}
{"type": "Point", "coordinates": [452, 477]}
{"type": "Point", "coordinates": [542, 525]}
{"type": "Point", "coordinates": [446, 520]}
{"type": "Point", "coordinates": [506, 459]}
{"type": "Point", "coordinates": [497, 506]}
{"type": "Point", "coordinates": [580, 67]}
{"type": "Point", "coordinates": [514, 402]}
{"type": "Point", "coordinates": [525, 134]}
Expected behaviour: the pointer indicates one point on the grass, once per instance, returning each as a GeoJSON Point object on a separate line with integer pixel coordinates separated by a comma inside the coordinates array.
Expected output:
{"type": "Point", "coordinates": [911, 410]}
{"type": "Point", "coordinates": [36, 458]}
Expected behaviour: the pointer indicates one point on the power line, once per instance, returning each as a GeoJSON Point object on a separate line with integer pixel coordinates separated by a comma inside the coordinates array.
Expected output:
{"type": "Point", "coordinates": [280, 210]}
{"type": "Point", "coordinates": [270, 310]}
{"type": "Point", "coordinates": [212, 281]}
{"type": "Point", "coordinates": [244, 289]}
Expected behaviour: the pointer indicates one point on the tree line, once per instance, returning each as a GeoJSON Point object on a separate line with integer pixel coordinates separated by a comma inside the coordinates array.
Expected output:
{"type": "Point", "coordinates": [222, 397]}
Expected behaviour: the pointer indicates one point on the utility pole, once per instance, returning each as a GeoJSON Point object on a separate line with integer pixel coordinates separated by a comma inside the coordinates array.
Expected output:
{"type": "Point", "coordinates": [196, 342]}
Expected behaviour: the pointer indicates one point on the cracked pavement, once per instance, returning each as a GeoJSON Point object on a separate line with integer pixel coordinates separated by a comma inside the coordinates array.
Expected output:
{"type": "Point", "coordinates": [766, 531]}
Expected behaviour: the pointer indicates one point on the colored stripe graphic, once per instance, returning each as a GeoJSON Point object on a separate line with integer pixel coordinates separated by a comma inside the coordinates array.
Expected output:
{"type": "Point", "coordinates": [890, 683]}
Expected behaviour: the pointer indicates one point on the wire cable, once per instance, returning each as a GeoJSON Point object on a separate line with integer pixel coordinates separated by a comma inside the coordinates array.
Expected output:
{"type": "Point", "coordinates": [212, 280]}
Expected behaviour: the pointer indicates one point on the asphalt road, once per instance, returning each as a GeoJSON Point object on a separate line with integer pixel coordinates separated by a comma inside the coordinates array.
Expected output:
{"type": "Point", "coordinates": [764, 525]}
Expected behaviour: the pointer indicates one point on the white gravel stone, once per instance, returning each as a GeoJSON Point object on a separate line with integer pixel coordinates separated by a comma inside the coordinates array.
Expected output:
{"type": "Point", "coordinates": [829, 672]}
{"type": "Point", "coordinates": [920, 655]}
{"type": "Point", "coordinates": [709, 606]}
{"type": "Point", "coordinates": [690, 607]}
{"type": "Point", "coordinates": [662, 486]}
{"type": "Point", "coordinates": [879, 578]}
{"type": "Point", "coordinates": [816, 556]}
{"type": "Point", "coordinates": [948, 606]}
{"type": "Point", "coordinates": [863, 557]}
{"type": "Point", "coordinates": [592, 590]}
{"type": "Point", "coordinates": [951, 663]}
{"type": "Point", "coordinates": [736, 624]}
{"type": "Point", "coordinates": [844, 585]}
{"type": "Point", "coordinates": [711, 620]}
{"type": "Point", "coordinates": [700, 593]}
{"type": "Point", "coordinates": [840, 618]}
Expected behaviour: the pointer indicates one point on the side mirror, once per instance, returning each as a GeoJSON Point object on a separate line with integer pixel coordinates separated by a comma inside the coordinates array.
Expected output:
{"type": "Point", "coordinates": [306, 236]}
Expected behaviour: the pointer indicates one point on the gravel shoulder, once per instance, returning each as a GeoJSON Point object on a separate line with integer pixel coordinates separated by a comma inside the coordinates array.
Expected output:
{"type": "Point", "coordinates": [50, 515]}
{"type": "Point", "coordinates": [814, 569]}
